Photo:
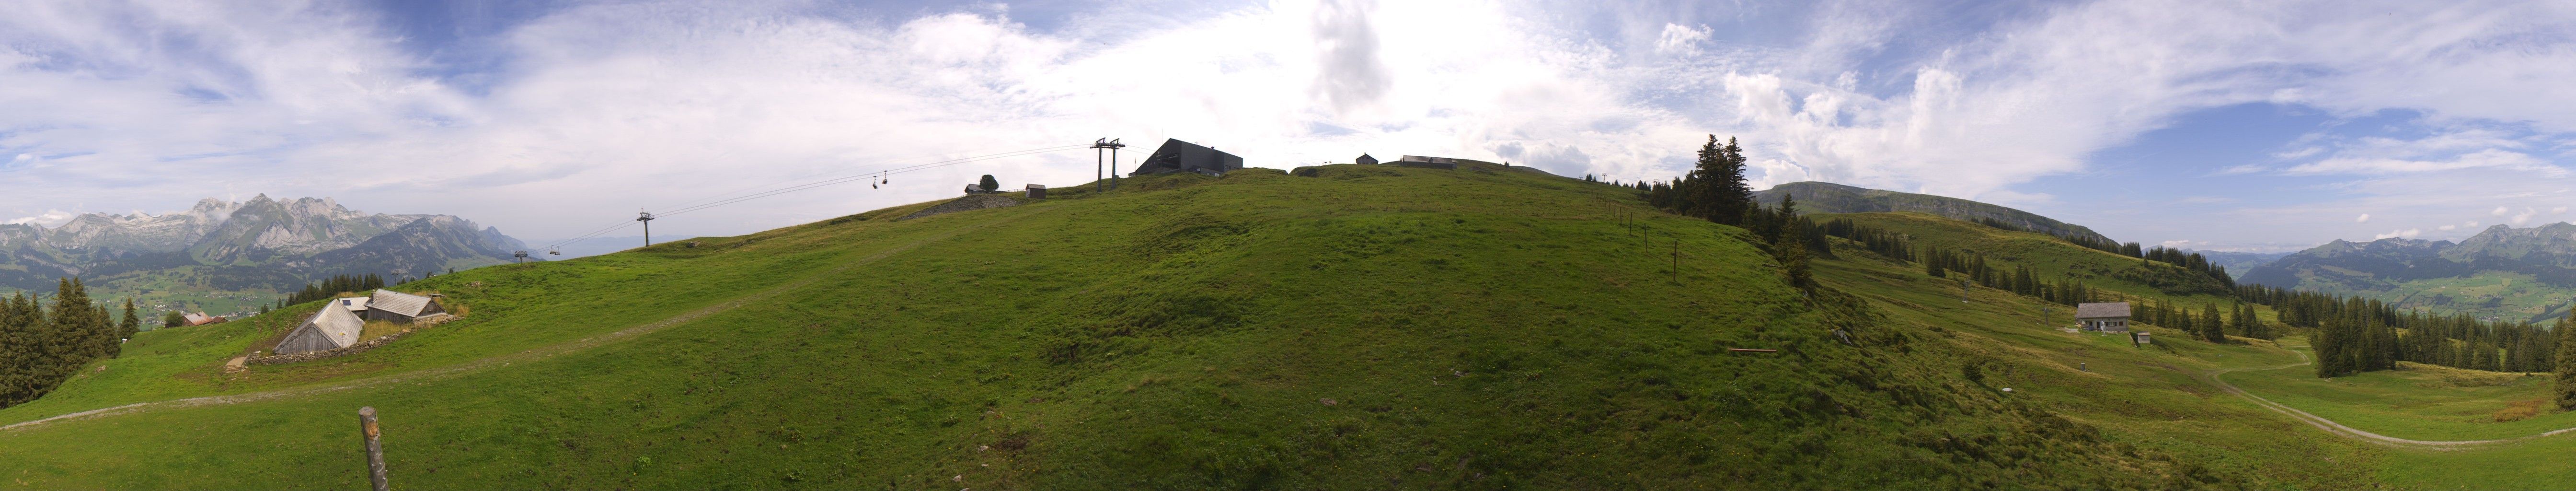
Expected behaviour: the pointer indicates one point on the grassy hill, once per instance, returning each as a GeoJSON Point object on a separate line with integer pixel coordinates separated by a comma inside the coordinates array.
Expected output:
{"type": "Point", "coordinates": [2162, 398]}
{"type": "Point", "coordinates": [1363, 327]}
{"type": "Point", "coordinates": [1344, 327]}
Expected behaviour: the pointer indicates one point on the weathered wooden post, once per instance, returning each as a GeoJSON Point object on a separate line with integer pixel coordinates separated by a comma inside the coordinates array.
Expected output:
{"type": "Point", "coordinates": [375, 447]}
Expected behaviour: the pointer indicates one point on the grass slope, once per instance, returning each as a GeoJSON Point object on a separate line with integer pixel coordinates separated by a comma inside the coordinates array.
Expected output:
{"type": "Point", "coordinates": [1364, 327]}
{"type": "Point", "coordinates": [2157, 397]}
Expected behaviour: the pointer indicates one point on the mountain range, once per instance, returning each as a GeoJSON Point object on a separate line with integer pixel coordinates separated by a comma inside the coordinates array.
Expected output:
{"type": "Point", "coordinates": [261, 244]}
{"type": "Point", "coordinates": [2502, 272]}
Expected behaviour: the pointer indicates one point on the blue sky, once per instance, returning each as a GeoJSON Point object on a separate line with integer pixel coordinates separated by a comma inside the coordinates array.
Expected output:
{"type": "Point", "coordinates": [2213, 125]}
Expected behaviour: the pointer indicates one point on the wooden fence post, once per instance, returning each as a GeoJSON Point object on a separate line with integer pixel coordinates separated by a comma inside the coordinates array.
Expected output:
{"type": "Point", "coordinates": [375, 447]}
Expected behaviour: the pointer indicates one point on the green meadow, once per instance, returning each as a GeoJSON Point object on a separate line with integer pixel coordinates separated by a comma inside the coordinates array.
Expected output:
{"type": "Point", "coordinates": [1336, 327]}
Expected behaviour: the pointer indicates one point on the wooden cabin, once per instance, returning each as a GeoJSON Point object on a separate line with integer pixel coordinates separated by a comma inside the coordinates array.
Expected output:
{"type": "Point", "coordinates": [334, 327]}
{"type": "Point", "coordinates": [401, 308]}
{"type": "Point", "coordinates": [2103, 316]}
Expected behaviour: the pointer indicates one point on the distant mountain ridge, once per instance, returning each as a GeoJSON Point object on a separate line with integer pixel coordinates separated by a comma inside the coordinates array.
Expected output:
{"type": "Point", "coordinates": [260, 243]}
{"type": "Point", "coordinates": [2476, 274]}
{"type": "Point", "coordinates": [1826, 197]}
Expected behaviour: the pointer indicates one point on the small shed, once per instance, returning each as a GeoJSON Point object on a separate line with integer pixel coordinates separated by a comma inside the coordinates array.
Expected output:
{"type": "Point", "coordinates": [2141, 338]}
{"type": "Point", "coordinates": [2103, 316]}
{"type": "Point", "coordinates": [1365, 159]}
{"type": "Point", "coordinates": [331, 328]}
{"type": "Point", "coordinates": [1037, 191]}
{"type": "Point", "coordinates": [401, 308]}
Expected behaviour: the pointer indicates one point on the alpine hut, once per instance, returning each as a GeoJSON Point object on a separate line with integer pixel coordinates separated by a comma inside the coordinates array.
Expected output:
{"type": "Point", "coordinates": [401, 308]}
{"type": "Point", "coordinates": [2103, 316]}
{"type": "Point", "coordinates": [333, 327]}
{"type": "Point", "coordinates": [1365, 159]}
{"type": "Point", "coordinates": [1181, 156]}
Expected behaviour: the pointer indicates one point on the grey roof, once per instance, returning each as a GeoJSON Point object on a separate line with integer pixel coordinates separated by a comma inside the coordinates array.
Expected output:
{"type": "Point", "coordinates": [352, 303]}
{"type": "Point", "coordinates": [2102, 310]}
{"type": "Point", "coordinates": [338, 325]}
{"type": "Point", "coordinates": [1181, 156]}
{"type": "Point", "coordinates": [394, 302]}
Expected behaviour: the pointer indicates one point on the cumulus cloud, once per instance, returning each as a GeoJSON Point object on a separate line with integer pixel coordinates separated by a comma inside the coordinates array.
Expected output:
{"type": "Point", "coordinates": [2403, 234]}
{"type": "Point", "coordinates": [2500, 211]}
{"type": "Point", "coordinates": [2447, 228]}
{"type": "Point", "coordinates": [2365, 218]}
{"type": "Point", "coordinates": [2524, 217]}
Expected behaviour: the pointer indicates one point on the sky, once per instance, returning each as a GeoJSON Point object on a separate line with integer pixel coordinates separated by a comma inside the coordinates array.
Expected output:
{"type": "Point", "coordinates": [2241, 126]}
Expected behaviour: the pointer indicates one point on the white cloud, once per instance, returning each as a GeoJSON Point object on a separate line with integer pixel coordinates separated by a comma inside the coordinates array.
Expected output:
{"type": "Point", "coordinates": [2524, 217]}
{"type": "Point", "coordinates": [2404, 233]}
{"type": "Point", "coordinates": [2489, 158]}
{"type": "Point", "coordinates": [2561, 209]}
{"type": "Point", "coordinates": [2302, 152]}
{"type": "Point", "coordinates": [1680, 39]}
{"type": "Point", "coordinates": [48, 219]}
{"type": "Point", "coordinates": [2471, 224]}
{"type": "Point", "coordinates": [2447, 228]}
{"type": "Point", "coordinates": [2365, 218]}
{"type": "Point", "coordinates": [2500, 211]}
{"type": "Point", "coordinates": [603, 108]}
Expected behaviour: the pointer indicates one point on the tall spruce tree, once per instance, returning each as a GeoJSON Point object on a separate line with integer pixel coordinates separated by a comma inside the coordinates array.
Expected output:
{"type": "Point", "coordinates": [126, 328]}
{"type": "Point", "coordinates": [2566, 387]}
{"type": "Point", "coordinates": [1715, 187]}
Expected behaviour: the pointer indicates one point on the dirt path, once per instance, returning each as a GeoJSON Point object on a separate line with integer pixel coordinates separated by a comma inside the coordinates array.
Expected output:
{"type": "Point", "coordinates": [523, 356]}
{"type": "Point", "coordinates": [2216, 377]}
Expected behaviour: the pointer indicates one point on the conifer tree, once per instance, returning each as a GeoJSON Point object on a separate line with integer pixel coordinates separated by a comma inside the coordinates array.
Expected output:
{"type": "Point", "coordinates": [1793, 257]}
{"type": "Point", "coordinates": [2566, 387]}
{"type": "Point", "coordinates": [126, 328]}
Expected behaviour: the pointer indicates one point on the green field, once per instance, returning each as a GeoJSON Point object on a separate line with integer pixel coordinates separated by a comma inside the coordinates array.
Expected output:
{"type": "Point", "coordinates": [1365, 327]}
{"type": "Point", "coordinates": [1347, 327]}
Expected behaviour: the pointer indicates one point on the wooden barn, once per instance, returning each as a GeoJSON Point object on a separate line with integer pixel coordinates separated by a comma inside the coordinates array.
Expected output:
{"type": "Point", "coordinates": [334, 327]}
{"type": "Point", "coordinates": [2103, 316]}
{"type": "Point", "coordinates": [1365, 159]}
{"type": "Point", "coordinates": [401, 308]}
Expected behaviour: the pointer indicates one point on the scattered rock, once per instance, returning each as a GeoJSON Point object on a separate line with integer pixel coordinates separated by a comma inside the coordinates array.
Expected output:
{"type": "Point", "coordinates": [1329, 401]}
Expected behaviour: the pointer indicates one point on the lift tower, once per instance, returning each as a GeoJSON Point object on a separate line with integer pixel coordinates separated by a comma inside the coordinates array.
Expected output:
{"type": "Point", "coordinates": [1113, 145]}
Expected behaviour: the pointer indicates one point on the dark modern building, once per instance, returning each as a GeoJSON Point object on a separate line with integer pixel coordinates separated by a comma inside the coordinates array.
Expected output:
{"type": "Point", "coordinates": [1181, 156]}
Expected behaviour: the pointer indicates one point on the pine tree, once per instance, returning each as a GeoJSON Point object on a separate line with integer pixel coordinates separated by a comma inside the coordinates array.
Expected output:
{"type": "Point", "coordinates": [1793, 257]}
{"type": "Point", "coordinates": [126, 328]}
{"type": "Point", "coordinates": [988, 183]}
{"type": "Point", "coordinates": [2566, 387]}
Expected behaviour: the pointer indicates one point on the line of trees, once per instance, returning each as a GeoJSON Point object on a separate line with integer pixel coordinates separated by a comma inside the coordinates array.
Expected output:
{"type": "Point", "coordinates": [1886, 243]}
{"type": "Point", "coordinates": [42, 344]}
{"type": "Point", "coordinates": [333, 287]}
{"type": "Point", "coordinates": [2357, 335]}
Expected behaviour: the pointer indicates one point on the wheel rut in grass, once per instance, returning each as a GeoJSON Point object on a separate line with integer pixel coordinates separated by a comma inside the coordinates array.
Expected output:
{"type": "Point", "coordinates": [529, 355]}
{"type": "Point", "coordinates": [2216, 378]}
